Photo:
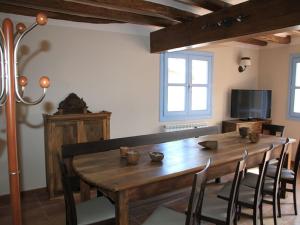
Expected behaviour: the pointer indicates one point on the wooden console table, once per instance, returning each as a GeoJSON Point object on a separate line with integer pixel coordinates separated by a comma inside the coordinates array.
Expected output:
{"type": "Point", "coordinates": [234, 125]}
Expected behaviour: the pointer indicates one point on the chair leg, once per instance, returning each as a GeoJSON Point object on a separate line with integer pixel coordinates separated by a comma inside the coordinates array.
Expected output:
{"type": "Point", "coordinates": [261, 215]}
{"type": "Point", "coordinates": [255, 216]}
{"type": "Point", "coordinates": [239, 212]}
{"type": "Point", "coordinates": [278, 205]}
{"type": "Point", "coordinates": [274, 204]}
{"type": "Point", "coordinates": [295, 198]}
{"type": "Point", "coordinates": [235, 221]}
{"type": "Point", "coordinates": [283, 189]}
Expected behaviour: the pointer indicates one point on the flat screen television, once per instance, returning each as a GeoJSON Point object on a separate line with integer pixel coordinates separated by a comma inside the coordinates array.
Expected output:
{"type": "Point", "coordinates": [251, 104]}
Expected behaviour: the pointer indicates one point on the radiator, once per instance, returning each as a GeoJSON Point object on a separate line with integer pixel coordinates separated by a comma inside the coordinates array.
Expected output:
{"type": "Point", "coordinates": [184, 126]}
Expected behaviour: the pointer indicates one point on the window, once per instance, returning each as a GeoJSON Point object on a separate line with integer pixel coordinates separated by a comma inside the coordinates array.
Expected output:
{"type": "Point", "coordinates": [294, 95]}
{"type": "Point", "coordinates": [185, 90]}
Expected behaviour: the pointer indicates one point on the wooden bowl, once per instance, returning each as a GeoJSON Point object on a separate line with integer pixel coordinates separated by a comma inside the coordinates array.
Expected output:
{"type": "Point", "coordinates": [254, 137]}
{"type": "Point", "coordinates": [133, 157]}
{"type": "Point", "coordinates": [212, 145]}
{"type": "Point", "coordinates": [156, 156]}
{"type": "Point", "coordinates": [123, 151]}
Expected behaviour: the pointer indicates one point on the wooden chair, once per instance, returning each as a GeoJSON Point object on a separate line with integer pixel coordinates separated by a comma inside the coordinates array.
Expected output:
{"type": "Point", "coordinates": [288, 177]}
{"type": "Point", "coordinates": [219, 211]}
{"type": "Point", "coordinates": [250, 197]}
{"type": "Point", "coordinates": [271, 185]}
{"type": "Point", "coordinates": [273, 129]}
{"type": "Point", "coordinates": [201, 207]}
{"type": "Point", "coordinates": [95, 210]}
{"type": "Point", "coordinates": [165, 216]}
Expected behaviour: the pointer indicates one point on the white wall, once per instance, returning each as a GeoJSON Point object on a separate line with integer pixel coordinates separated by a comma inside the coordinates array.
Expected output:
{"type": "Point", "coordinates": [111, 71]}
{"type": "Point", "coordinates": [274, 75]}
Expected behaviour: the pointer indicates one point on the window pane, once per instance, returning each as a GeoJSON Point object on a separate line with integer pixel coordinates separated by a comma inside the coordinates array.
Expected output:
{"type": "Point", "coordinates": [199, 72]}
{"type": "Point", "coordinates": [297, 78]}
{"type": "Point", "coordinates": [176, 71]}
{"type": "Point", "coordinates": [176, 98]}
{"type": "Point", "coordinates": [199, 98]}
{"type": "Point", "coordinates": [297, 101]}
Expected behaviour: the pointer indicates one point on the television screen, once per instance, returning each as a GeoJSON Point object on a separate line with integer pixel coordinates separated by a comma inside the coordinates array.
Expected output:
{"type": "Point", "coordinates": [248, 104]}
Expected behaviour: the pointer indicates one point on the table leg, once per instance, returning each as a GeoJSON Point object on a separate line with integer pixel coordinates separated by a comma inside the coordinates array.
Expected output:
{"type": "Point", "coordinates": [85, 193]}
{"type": "Point", "coordinates": [122, 212]}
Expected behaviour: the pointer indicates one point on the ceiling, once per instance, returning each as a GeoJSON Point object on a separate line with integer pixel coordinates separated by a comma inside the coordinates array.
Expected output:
{"type": "Point", "coordinates": [159, 13]}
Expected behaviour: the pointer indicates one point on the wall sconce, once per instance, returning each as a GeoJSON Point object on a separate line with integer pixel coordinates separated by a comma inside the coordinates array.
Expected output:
{"type": "Point", "coordinates": [245, 61]}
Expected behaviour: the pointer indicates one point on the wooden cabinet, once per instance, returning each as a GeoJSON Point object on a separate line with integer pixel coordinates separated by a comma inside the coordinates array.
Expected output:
{"type": "Point", "coordinates": [69, 129]}
{"type": "Point", "coordinates": [234, 125]}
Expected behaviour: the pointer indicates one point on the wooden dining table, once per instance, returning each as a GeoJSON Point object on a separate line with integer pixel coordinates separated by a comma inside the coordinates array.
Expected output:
{"type": "Point", "coordinates": [125, 183]}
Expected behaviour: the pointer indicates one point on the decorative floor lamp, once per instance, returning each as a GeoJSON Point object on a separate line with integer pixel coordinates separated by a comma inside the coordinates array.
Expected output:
{"type": "Point", "coordinates": [12, 89]}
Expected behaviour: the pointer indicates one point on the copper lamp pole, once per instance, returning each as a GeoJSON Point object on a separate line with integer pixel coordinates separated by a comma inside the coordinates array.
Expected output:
{"type": "Point", "coordinates": [10, 93]}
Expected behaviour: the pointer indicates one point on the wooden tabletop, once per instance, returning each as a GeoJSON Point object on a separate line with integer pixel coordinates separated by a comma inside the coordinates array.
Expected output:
{"type": "Point", "coordinates": [108, 171]}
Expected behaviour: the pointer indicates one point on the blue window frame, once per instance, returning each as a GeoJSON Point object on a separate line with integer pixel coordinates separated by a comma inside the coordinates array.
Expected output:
{"type": "Point", "coordinates": [294, 89]}
{"type": "Point", "coordinates": [186, 85]}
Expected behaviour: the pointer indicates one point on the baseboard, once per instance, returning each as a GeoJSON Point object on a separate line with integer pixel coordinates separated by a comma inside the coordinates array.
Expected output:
{"type": "Point", "coordinates": [6, 198]}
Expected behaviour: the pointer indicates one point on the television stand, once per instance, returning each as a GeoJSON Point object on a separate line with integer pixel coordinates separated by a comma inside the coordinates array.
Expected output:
{"type": "Point", "coordinates": [255, 124]}
{"type": "Point", "coordinates": [252, 119]}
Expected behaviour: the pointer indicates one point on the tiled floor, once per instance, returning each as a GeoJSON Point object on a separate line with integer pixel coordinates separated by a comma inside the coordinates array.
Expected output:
{"type": "Point", "coordinates": [38, 210]}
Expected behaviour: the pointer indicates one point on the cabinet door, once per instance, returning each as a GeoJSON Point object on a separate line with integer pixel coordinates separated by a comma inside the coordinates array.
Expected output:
{"type": "Point", "coordinates": [93, 130]}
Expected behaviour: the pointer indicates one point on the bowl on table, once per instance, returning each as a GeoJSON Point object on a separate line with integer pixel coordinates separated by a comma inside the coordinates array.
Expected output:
{"type": "Point", "coordinates": [156, 156]}
{"type": "Point", "coordinates": [123, 151]}
{"type": "Point", "coordinates": [254, 137]}
{"type": "Point", "coordinates": [133, 157]}
{"type": "Point", "coordinates": [212, 145]}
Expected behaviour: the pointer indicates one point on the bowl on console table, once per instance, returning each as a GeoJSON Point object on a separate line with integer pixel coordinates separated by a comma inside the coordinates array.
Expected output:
{"type": "Point", "coordinates": [244, 131]}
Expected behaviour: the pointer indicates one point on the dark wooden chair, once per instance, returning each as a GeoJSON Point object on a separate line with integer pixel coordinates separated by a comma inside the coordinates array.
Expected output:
{"type": "Point", "coordinates": [222, 212]}
{"type": "Point", "coordinates": [201, 207]}
{"type": "Point", "coordinates": [98, 209]}
{"type": "Point", "coordinates": [271, 185]}
{"type": "Point", "coordinates": [250, 197]}
{"type": "Point", "coordinates": [165, 216]}
{"type": "Point", "coordinates": [273, 129]}
{"type": "Point", "coordinates": [288, 177]}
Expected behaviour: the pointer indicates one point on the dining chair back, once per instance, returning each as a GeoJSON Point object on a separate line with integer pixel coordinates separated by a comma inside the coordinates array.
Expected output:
{"type": "Point", "coordinates": [234, 193]}
{"type": "Point", "coordinates": [261, 177]}
{"type": "Point", "coordinates": [273, 129]}
{"type": "Point", "coordinates": [225, 213]}
{"type": "Point", "coordinates": [197, 194]}
{"type": "Point", "coordinates": [96, 210]}
{"type": "Point", "coordinates": [280, 165]}
{"type": "Point", "coordinates": [297, 162]}
{"type": "Point", "coordinates": [274, 188]}
{"type": "Point", "coordinates": [71, 217]}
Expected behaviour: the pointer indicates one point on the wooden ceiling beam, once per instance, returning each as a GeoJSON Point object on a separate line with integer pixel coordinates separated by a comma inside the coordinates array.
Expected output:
{"type": "Point", "coordinates": [141, 7]}
{"type": "Point", "coordinates": [75, 9]}
{"type": "Point", "coordinates": [252, 41]}
{"type": "Point", "coordinates": [212, 5]}
{"type": "Point", "coordinates": [296, 32]}
{"type": "Point", "coordinates": [256, 18]}
{"type": "Point", "coordinates": [54, 15]}
{"type": "Point", "coordinates": [275, 39]}
{"type": "Point", "coordinates": [218, 5]}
